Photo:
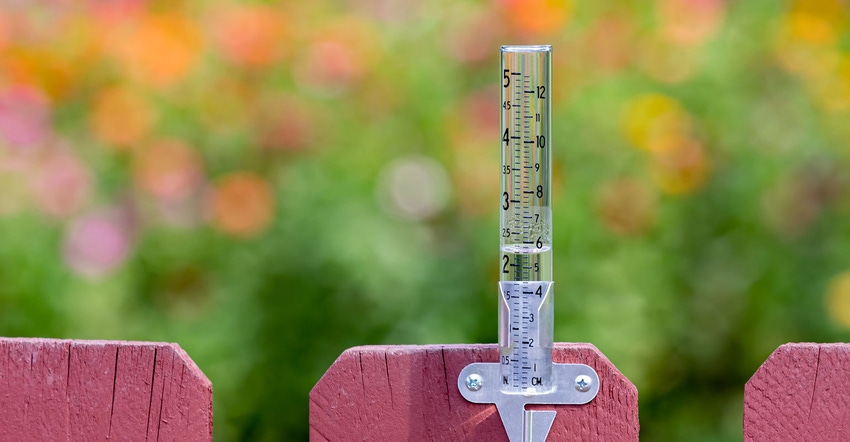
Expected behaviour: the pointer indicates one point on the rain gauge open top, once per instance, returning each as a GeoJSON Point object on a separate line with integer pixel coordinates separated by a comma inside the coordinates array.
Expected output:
{"type": "Point", "coordinates": [525, 373]}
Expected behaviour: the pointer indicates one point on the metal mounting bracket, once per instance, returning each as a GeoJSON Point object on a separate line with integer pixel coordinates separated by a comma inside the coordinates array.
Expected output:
{"type": "Point", "coordinates": [575, 384]}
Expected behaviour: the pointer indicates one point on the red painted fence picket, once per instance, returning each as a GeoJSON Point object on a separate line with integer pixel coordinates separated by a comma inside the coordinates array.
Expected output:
{"type": "Point", "coordinates": [410, 393]}
{"type": "Point", "coordinates": [59, 390]}
{"type": "Point", "coordinates": [801, 393]}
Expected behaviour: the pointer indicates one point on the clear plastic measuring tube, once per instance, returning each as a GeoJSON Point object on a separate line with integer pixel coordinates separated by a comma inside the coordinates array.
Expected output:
{"type": "Point", "coordinates": [526, 286]}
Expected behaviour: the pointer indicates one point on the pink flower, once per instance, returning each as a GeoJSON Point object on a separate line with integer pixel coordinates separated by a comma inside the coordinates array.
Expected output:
{"type": "Point", "coordinates": [97, 244]}
{"type": "Point", "coordinates": [24, 117]}
{"type": "Point", "coordinates": [61, 184]}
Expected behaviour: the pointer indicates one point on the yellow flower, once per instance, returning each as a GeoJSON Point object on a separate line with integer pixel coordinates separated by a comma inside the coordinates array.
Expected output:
{"type": "Point", "coordinates": [818, 22]}
{"type": "Point", "coordinates": [652, 120]}
{"type": "Point", "coordinates": [838, 299]}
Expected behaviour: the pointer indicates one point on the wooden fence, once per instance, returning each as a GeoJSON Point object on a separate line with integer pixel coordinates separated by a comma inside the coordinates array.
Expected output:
{"type": "Point", "coordinates": [410, 393]}
{"type": "Point", "coordinates": [53, 390]}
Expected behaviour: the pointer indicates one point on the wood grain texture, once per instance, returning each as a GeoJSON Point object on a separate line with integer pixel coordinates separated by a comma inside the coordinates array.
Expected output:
{"type": "Point", "coordinates": [61, 390]}
{"type": "Point", "coordinates": [395, 393]}
{"type": "Point", "coordinates": [801, 393]}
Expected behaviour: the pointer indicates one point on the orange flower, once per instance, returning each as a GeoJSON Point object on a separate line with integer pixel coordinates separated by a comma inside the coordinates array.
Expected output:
{"type": "Point", "coordinates": [168, 169]}
{"type": "Point", "coordinates": [660, 125]}
{"type": "Point", "coordinates": [250, 35]}
{"type": "Point", "coordinates": [120, 117]}
{"type": "Point", "coordinates": [682, 168]}
{"type": "Point", "coordinates": [625, 206]}
{"type": "Point", "coordinates": [53, 56]}
{"type": "Point", "coordinates": [537, 17]}
{"type": "Point", "coordinates": [690, 22]}
{"type": "Point", "coordinates": [242, 204]}
{"type": "Point", "coordinates": [610, 42]}
{"type": "Point", "coordinates": [158, 50]}
{"type": "Point", "coordinates": [340, 54]}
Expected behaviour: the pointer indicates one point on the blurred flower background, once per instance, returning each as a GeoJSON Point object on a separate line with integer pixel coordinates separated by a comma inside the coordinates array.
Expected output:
{"type": "Point", "coordinates": [269, 183]}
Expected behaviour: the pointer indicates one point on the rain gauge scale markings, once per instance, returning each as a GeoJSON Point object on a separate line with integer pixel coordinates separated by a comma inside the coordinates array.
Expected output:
{"type": "Point", "coordinates": [525, 321]}
{"type": "Point", "coordinates": [525, 373]}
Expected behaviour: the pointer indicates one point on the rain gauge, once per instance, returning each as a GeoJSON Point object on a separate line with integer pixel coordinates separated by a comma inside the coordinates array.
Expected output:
{"type": "Point", "coordinates": [525, 373]}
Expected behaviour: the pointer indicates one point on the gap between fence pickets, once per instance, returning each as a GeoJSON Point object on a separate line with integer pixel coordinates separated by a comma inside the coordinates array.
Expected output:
{"type": "Point", "coordinates": [111, 389]}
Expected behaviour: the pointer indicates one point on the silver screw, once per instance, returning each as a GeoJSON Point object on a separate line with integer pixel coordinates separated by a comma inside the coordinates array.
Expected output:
{"type": "Point", "coordinates": [474, 382]}
{"type": "Point", "coordinates": [583, 383]}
